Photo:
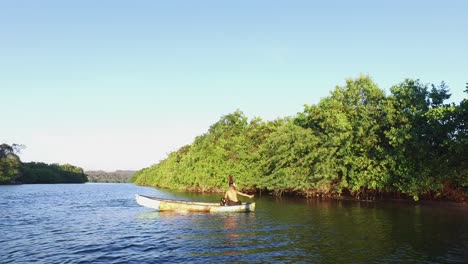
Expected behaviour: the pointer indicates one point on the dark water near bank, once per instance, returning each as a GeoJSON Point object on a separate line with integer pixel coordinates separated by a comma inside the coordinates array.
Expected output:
{"type": "Point", "coordinates": [101, 223]}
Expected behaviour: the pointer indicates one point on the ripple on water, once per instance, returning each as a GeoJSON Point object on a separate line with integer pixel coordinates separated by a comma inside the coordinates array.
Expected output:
{"type": "Point", "coordinates": [101, 223]}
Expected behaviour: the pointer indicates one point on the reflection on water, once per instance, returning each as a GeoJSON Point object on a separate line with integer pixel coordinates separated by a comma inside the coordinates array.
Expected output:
{"type": "Point", "coordinates": [103, 223]}
{"type": "Point", "coordinates": [151, 215]}
{"type": "Point", "coordinates": [231, 226]}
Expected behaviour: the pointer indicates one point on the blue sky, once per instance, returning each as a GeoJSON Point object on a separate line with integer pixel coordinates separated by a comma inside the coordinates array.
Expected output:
{"type": "Point", "coordinates": [120, 84]}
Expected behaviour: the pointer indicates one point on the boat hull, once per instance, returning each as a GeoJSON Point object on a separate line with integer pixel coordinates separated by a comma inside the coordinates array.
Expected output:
{"type": "Point", "coordinates": [185, 206]}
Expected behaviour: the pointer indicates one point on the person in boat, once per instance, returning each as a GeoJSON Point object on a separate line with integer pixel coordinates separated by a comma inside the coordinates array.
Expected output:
{"type": "Point", "coordinates": [230, 197]}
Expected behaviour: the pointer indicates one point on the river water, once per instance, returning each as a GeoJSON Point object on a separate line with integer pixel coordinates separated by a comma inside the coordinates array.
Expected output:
{"type": "Point", "coordinates": [101, 223]}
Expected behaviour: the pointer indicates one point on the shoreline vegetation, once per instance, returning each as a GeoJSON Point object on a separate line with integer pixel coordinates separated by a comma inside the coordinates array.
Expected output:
{"type": "Point", "coordinates": [118, 176]}
{"type": "Point", "coordinates": [13, 171]}
{"type": "Point", "coordinates": [39, 172]}
{"type": "Point", "coordinates": [357, 143]}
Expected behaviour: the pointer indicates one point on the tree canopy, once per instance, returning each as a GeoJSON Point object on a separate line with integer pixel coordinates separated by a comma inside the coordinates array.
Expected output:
{"type": "Point", "coordinates": [12, 170]}
{"type": "Point", "coordinates": [103, 176]}
{"type": "Point", "coordinates": [356, 141]}
{"type": "Point", "coordinates": [38, 172]}
{"type": "Point", "coordinates": [10, 163]}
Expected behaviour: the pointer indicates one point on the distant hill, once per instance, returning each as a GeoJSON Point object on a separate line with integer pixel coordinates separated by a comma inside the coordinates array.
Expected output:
{"type": "Point", "coordinates": [103, 176]}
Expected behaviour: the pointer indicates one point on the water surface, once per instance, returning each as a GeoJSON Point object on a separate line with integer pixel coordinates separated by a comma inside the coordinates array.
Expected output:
{"type": "Point", "coordinates": [101, 223]}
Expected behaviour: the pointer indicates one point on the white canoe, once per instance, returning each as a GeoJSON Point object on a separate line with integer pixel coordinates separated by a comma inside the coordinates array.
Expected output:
{"type": "Point", "coordinates": [177, 205]}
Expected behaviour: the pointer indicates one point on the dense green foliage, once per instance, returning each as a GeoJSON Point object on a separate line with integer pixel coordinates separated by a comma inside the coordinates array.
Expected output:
{"type": "Point", "coordinates": [358, 141]}
{"type": "Point", "coordinates": [116, 176]}
{"type": "Point", "coordinates": [10, 163]}
{"type": "Point", "coordinates": [13, 171]}
{"type": "Point", "coordinates": [37, 172]}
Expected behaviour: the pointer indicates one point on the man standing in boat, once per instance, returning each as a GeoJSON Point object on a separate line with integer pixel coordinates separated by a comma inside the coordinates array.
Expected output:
{"type": "Point", "coordinates": [232, 192]}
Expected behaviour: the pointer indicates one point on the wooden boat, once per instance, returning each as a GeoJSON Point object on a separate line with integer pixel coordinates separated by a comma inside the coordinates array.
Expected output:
{"type": "Point", "coordinates": [186, 206]}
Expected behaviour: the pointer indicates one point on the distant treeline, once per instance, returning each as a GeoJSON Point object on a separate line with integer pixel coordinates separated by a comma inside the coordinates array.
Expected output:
{"type": "Point", "coordinates": [116, 176]}
{"type": "Point", "coordinates": [38, 172]}
{"type": "Point", "coordinates": [13, 171]}
{"type": "Point", "coordinates": [358, 141]}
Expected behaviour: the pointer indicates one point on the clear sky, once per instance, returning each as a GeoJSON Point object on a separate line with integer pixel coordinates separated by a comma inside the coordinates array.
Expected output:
{"type": "Point", "coordinates": [114, 84]}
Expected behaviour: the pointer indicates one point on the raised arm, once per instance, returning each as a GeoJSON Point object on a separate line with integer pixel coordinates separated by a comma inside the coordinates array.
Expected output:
{"type": "Point", "coordinates": [246, 195]}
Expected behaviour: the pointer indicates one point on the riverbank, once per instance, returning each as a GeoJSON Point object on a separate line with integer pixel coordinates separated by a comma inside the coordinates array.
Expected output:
{"type": "Point", "coordinates": [446, 196]}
